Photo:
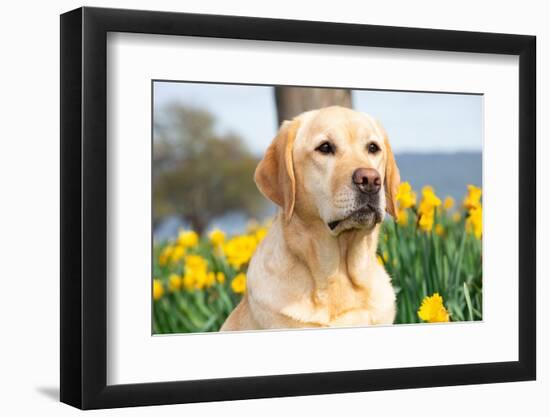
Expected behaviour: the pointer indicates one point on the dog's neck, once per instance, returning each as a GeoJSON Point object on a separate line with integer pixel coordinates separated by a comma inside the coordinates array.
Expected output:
{"type": "Point", "coordinates": [330, 258]}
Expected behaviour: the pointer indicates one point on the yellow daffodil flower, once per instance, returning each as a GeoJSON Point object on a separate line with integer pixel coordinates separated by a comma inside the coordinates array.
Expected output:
{"type": "Point", "coordinates": [402, 218]}
{"type": "Point", "coordinates": [189, 280]}
{"type": "Point", "coordinates": [220, 277]}
{"type": "Point", "coordinates": [433, 310]}
{"type": "Point", "coordinates": [239, 250]}
{"type": "Point", "coordinates": [166, 255]}
{"type": "Point", "coordinates": [188, 239]}
{"type": "Point", "coordinates": [473, 197]}
{"type": "Point", "coordinates": [448, 203]}
{"type": "Point", "coordinates": [210, 279]}
{"type": "Point", "coordinates": [174, 282]}
{"type": "Point", "coordinates": [217, 237]}
{"type": "Point", "coordinates": [158, 289]}
{"type": "Point", "coordinates": [195, 262]}
{"type": "Point", "coordinates": [200, 279]}
{"type": "Point", "coordinates": [238, 284]}
{"type": "Point", "coordinates": [439, 230]}
{"type": "Point", "coordinates": [406, 198]}
{"type": "Point", "coordinates": [429, 201]}
{"type": "Point", "coordinates": [195, 276]}
{"type": "Point", "coordinates": [426, 221]}
{"type": "Point", "coordinates": [474, 222]}
{"type": "Point", "coordinates": [177, 254]}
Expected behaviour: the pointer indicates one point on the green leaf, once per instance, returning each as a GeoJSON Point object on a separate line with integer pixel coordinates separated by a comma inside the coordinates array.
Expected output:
{"type": "Point", "coordinates": [468, 302]}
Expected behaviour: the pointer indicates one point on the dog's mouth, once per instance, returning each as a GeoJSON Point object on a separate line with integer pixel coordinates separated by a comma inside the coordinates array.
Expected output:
{"type": "Point", "coordinates": [365, 216]}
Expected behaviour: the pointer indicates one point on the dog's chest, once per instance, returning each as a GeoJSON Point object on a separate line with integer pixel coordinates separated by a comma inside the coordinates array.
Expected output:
{"type": "Point", "coordinates": [337, 304]}
{"type": "Point", "coordinates": [343, 301]}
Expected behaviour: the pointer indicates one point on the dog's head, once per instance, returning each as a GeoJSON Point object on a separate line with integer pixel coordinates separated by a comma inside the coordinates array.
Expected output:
{"type": "Point", "coordinates": [333, 164]}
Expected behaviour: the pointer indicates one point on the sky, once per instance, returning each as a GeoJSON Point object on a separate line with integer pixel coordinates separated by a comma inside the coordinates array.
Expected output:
{"type": "Point", "coordinates": [415, 122]}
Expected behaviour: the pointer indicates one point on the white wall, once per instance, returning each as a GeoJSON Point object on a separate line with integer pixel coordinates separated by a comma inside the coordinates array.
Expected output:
{"type": "Point", "coordinates": [29, 175]}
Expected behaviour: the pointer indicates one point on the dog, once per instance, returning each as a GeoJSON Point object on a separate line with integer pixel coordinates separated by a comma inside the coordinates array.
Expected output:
{"type": "Point", "coordinates": [333, 174]}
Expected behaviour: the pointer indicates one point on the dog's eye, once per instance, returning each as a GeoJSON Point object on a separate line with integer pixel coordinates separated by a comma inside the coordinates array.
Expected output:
{"type": "Point", "coordinates": [373, 147]}
{"type": "Point", "coordinates": [326, 148]}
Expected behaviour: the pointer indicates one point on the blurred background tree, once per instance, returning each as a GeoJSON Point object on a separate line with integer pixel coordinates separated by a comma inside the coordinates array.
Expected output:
{"type": "Point", "coordinates": [291, 101]}
{"type": "Point", "coordinates": [198, 174]}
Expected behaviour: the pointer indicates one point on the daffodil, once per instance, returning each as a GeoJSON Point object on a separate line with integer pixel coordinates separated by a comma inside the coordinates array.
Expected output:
{"type": "Point", "coordinates": [473, 197]}
{"type": "Point", "coordinates": [239, 250]}
{"type": "Point", "coordinates": [220, 277]}
{"type": "Point", "coordinates": [177, 254]}
{"type": "Point", "coordinates": [429, 201]}
{"type": "Point", "coordinates": [379, 260]}
{"type": "Point", "coordinates": [448, 203]}
{"type": "Point", "coordinates": [174, 282]}
{"type": "Point", "coordinates": [474, 222]}
{"type": "Point", "coordinates": [158, 289]}
{"type": "Point", "coordinates": [188, 239]}
{"type": "Point", "coordinates": [189, 280]}
{"type": "Point", "coordinates": [439, 230]}
{"type": "Point", "coordinates": [426, 209]}
{"type": "Point", "coordinates": [406, 197]}
{"type": "Point", "coordinates": [456, 217]}
{"type": "Point", "coordinates": [238, 284]}
{"type": "Point", "coordinates": [402, 218]}
{"type": "Point", "coordinates": [433, 310]}
{"type": "Point", "coordinates": [166, 255]}
{"type": "Point", "coordinates": [195, 279]}
{"type": "Point", "coordinates": [210, 279]}
{"type": "Point", "coordinates": [195, 262]}
{"type": "Point", "coordinates": [195, 276]}
{"type": "Point", "coordinates": [217, 237]}
{"type": "Point", "coordinates": [426, 221]}
{"type": "Point", "coordinates": [428, 189]}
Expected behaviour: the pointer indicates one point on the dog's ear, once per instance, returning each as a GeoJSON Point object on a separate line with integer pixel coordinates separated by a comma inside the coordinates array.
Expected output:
{"type": "Point", "coordinates": [274, 174]}
{"type": "Point", "coordinates": [391, 179]}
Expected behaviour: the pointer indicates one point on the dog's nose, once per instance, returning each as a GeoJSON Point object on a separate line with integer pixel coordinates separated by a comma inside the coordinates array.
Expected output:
{"type": "Point", "coordinates": [367, 180]}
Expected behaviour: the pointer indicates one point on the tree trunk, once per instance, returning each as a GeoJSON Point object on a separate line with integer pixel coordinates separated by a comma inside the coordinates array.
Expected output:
{"type": "Point", "coordinates": [291, 101]}
{"type": "Point", "coordinates": [198, 224]}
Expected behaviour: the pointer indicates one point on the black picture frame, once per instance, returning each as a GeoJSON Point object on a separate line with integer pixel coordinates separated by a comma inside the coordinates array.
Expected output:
{"type": "Point", "coordinates": [84, 207]}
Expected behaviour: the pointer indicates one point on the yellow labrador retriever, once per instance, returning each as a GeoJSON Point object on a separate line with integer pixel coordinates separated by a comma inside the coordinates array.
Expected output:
{"type": "Point", "coordinates": [333, 174]}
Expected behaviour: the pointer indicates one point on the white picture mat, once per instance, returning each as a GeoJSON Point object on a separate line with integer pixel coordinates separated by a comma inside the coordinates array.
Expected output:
{"type": "Point", "coordinates": [135, 356]}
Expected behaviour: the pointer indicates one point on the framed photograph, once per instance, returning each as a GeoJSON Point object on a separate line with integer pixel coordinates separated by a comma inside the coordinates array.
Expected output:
{"type": "Point", "coordinates": [257, 208]}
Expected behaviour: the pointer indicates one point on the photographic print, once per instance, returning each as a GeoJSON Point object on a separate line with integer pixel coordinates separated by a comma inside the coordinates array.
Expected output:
{"type": "Point", "coordinates": [280, 207]}
{"type": "Point", "coordinates": [335, 201]}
